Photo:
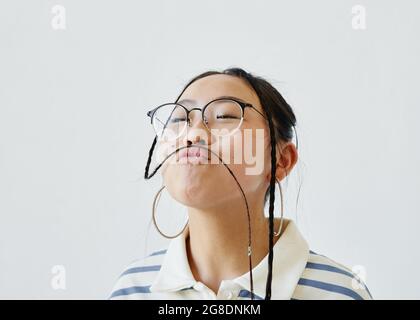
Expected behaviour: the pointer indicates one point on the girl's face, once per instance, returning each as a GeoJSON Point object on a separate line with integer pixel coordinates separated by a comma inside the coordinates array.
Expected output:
{"type": "Point", "coordinates": [205, 184]}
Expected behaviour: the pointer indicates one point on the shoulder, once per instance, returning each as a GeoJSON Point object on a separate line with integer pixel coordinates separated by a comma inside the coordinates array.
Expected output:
{"type": "Point", "coordinates": [324, 278]}
{"type": "Point", "coordinates": [135, 280]}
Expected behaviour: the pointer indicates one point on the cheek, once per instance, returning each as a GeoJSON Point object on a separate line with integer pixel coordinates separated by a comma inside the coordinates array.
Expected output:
{"type": "Point", "coordinates": [164, 149]}
{"type": "Point", "coordinates": [245, 153]}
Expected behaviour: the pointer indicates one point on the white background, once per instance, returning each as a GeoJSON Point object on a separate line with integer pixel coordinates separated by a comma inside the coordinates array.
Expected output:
{"type": "Point", "coordinates": [74, 136]}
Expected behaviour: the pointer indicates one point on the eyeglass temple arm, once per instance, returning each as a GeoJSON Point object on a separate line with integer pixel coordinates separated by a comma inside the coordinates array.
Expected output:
{"type": "Point", "coordinates": [294, 127]}
{"type": "Point", "coordinates": [251, 106]}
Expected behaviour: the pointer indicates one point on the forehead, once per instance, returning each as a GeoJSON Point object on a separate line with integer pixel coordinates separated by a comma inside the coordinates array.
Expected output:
{"type": "Point", "coordinates": [214, 86]}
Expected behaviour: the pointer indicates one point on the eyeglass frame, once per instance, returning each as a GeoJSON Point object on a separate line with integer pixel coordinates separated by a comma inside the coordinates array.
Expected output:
{"type": "Point", "coordinates": [241, 103]}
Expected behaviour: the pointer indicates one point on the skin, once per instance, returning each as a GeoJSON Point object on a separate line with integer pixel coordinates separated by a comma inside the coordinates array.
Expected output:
{"type": "Point", "coordinates": [216, 209]}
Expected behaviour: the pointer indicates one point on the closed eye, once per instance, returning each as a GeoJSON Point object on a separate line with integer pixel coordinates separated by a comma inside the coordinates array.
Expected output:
{"type": "Point", "coordinates": [226, 116]}
{"type": "Point", "coordinates": [175, 120]}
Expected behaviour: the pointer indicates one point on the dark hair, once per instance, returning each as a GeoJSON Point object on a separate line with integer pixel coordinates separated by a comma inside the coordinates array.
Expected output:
{"type": "Point", "coordinates": [282, 122]}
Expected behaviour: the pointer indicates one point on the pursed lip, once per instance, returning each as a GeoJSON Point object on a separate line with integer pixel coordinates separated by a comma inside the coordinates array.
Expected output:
{"type": "Point", "coordinates": [193, 153]}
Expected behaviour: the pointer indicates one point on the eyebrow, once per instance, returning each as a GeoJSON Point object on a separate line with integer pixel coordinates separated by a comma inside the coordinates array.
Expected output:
{"type": "Point", "coordinates": [221, 97]}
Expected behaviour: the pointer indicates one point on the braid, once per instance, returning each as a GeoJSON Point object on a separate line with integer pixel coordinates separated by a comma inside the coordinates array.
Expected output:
{"type": "Point", "coordinates": [271, 210]}
{"type": "Point", "coordinates": [149, 159]}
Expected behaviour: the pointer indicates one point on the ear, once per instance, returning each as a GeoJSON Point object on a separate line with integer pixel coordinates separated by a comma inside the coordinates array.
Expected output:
{"type": "Point", "coordinates": [287, 156]}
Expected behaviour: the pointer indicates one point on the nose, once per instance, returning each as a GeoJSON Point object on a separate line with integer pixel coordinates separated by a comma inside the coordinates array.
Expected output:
{"type": "Point", "coordinates": [196, 131]}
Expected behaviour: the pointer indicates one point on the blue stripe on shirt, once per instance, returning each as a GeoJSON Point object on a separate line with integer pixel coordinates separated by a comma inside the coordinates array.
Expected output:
{"type": "Point", "coordinates": [158, 252]}
{"type": "Point", "coordinates": [330, 287]}
{"type": "Point", "coordinates": [247, 294]}
{"type": "Point", "coordinates": [130, 290]}
{"type": "Point", "coordinates": [141, 269]}
{"type": "Point", "coordinates": [326, 267]}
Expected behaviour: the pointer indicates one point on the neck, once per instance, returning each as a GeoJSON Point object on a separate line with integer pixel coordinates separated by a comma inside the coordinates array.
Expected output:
{"type": "Point", "coordinates": [217, 242]}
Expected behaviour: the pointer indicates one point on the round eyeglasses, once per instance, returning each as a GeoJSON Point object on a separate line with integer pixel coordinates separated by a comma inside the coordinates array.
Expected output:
{"type": "Point", "coordinates": [221, 116]}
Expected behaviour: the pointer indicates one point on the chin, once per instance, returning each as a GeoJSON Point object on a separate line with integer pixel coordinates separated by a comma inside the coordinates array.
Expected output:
{"type": "Point", "coordinates": [193, 194]}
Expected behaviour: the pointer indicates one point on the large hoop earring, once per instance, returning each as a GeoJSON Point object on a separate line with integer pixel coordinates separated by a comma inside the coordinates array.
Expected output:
{"type": "Point", "coordinates": [155, 203]}
{"type": "Point", "coordinates": [277, 234]}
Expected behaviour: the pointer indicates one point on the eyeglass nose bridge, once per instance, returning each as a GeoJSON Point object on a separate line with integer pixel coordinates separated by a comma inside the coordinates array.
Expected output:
{"type": "Point", "coordinates": [202, 118]}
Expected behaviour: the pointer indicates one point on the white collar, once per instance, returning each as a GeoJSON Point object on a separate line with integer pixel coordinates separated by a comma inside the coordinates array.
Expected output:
{"type": "Point", "coordinates": [290, 255]}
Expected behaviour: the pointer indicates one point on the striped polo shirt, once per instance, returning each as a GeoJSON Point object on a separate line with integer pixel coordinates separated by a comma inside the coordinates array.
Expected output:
{"type": "Point", "coordinates": [298, 274]}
